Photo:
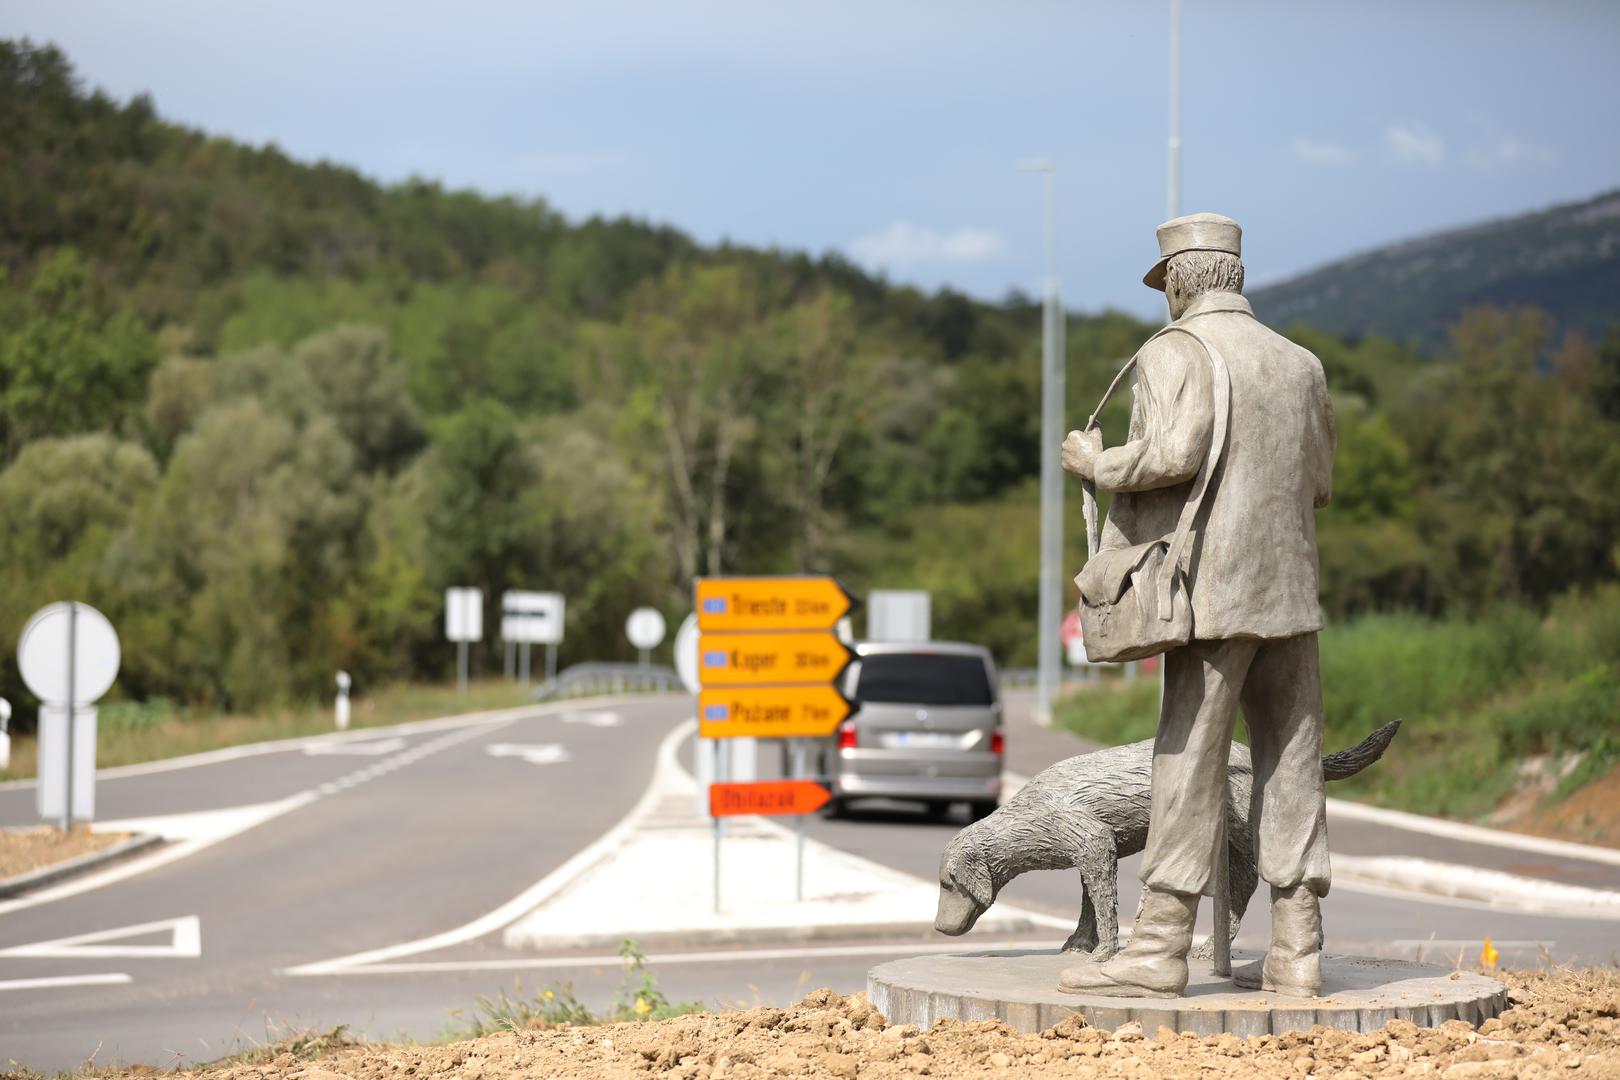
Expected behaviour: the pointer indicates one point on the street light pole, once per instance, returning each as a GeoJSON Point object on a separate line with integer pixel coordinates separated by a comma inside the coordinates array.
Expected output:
{"type": "Point", "coordinates": [1052, 395]}
{"type": "Point", "coordinates": [1173, 202]}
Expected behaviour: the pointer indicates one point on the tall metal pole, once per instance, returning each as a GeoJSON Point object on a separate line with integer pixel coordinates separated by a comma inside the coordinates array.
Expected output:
{"type": "Point", "coordinates": [72, 692]}
{"type": "Point", "coordinates": [1049, 606]}
{"type": "Point", "coordinates": [1173, 201]}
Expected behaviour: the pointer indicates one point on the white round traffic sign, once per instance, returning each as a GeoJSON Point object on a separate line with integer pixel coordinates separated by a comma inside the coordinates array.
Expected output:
{"type": "Point", "coordinates": [686, 653]}
{"type": "Point", "coordinates": [45, 657]}
{"type": "Point", "coordinates": [644, 628]}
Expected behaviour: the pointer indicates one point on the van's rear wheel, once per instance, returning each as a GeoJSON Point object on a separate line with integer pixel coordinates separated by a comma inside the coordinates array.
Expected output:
{"type": "Point", "coordinates": [834, 808]}
{"type": "Point", "coordinates": [978, 811]}
{"type": "Point", "coordinates": [936, 808]}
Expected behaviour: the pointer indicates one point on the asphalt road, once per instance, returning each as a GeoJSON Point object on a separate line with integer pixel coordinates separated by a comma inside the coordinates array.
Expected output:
{"type": "Point", "coordinates": [410, 836]}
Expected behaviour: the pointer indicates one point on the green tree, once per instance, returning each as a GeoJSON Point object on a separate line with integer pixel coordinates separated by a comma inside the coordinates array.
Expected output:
{"type": "Point", "coordinates": [72, 365]}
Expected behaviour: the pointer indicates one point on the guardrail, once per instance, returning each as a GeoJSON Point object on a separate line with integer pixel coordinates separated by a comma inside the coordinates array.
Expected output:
{"type": "Point", "coordinates": [584, 679]}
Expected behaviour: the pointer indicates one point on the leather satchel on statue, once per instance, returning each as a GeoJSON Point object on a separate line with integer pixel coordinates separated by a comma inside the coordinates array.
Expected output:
{"type": "Point", "coordinates": [1136, 602]}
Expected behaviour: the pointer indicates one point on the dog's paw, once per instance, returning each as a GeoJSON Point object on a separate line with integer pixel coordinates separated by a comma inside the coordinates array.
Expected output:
{"type": "Point", "coordinates": [1096, 953]}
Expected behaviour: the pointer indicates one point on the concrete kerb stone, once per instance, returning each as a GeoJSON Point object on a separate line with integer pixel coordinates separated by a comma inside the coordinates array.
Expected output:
{"type": "Point", "coordinates": [1020, 990]}
{"type": "Point", "coordinates": [26, 882]}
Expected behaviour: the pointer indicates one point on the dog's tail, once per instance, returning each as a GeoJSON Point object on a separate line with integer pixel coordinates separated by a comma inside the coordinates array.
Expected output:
{"type": "Point", "coordinates": [1346, 763]}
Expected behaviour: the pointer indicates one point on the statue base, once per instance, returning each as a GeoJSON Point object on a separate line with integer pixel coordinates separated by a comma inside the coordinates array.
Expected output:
{"type": "Point", "coordinates": [1020, 989]}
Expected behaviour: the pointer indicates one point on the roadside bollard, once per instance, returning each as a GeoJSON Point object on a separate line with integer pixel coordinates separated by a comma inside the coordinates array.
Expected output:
{"type": "Point", "coordinates": [342, 703]}
{"type": "Point", "coordinates": [5, 734]}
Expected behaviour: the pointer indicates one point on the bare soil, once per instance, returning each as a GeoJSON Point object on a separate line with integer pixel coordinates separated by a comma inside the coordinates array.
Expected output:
{"type": "Point", "coordinates": [22, 850]}
{"type": "Point", "coordinates": [1591, 815]}
{"type": "Point", "coordinates": [1562, 1023]}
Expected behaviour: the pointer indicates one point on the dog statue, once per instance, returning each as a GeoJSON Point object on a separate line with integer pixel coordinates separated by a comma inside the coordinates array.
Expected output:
{"type": "Point", "coordinates": [1089, 812]}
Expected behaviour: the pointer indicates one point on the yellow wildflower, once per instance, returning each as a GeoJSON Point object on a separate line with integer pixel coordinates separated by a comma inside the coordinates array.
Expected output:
{"type": "Point", "coordinates": [643, 1006]}
{"type": "Point", "coordinates": [1489, 956]}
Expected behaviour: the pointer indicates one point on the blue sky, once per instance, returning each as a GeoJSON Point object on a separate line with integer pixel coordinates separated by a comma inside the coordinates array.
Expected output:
{"type": "Point", "coordinates": [890, 131]}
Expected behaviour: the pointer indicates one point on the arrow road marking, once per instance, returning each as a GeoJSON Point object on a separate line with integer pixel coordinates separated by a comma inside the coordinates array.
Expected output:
{"type": "Point", "coordinates": [594, 719]}
{"type": "Point", "coordinates": [533, 753]}
{"type": "Point", "coordinates": [375, 748]}
{"type": "Point", "coordinates": [111, 978]}
{"type": "Point", "coordinates": [185, 941]}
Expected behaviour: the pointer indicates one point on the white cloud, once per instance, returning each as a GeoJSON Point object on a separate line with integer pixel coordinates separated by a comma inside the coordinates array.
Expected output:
{"type": "Point", "coordinates": [1321, 153]}
{"type": "Point", "coordinates": [1414, 144]}
{"type": "Point", "coordinates": [902, 242]}
{"type": "Point", "coordinates": [1503, 150]}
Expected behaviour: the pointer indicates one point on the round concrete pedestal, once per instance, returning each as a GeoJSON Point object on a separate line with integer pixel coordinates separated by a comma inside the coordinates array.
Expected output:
{"type": "Point", "coordinates": [1020, 989]}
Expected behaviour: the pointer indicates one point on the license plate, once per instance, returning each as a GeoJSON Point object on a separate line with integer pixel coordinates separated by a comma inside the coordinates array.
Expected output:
{"type": "Point", "coordinates": [922, 740]}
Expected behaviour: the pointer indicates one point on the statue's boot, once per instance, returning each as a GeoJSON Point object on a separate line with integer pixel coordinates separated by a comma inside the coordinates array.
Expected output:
{"type": "Point", "coordinates": [1292, 965]}
{"type": "Point", "coordinates": [1154, 963]}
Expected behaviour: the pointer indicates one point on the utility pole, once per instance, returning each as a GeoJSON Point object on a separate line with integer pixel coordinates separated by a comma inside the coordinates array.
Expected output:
{"type": "Point", "coordinates": [1052, 374]}
{"type": "Point", "coordinates": [1173, 202]}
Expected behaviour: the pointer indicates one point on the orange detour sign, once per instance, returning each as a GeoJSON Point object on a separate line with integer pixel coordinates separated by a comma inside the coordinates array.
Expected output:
{"type": "Point", "coordinates": [771, 712]}
{"type": "Point", "coordinates": [767, 797]}
{"type": "Point", "coordinates": [770, 603]}
{"type": "Point", "coordinates": [765, 659]}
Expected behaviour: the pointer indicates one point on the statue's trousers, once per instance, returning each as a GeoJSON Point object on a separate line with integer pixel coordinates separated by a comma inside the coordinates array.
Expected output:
{"type": "Point", "coordinates": [1278, 684]}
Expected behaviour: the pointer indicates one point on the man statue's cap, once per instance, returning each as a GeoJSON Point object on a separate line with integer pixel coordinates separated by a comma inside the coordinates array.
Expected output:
{"type": "Point", "coordinates": [1195, 232]}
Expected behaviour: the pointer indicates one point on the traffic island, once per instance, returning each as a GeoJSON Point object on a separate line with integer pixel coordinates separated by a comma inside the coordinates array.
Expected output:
{"type": "Point", "coordinates": [1020, 990]}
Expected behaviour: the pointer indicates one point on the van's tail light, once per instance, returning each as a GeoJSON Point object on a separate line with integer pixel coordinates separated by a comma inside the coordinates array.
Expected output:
{"type": "Point", "coordinates": [846, 735]}
{"type": "Point", "coordinates": [998, 741]}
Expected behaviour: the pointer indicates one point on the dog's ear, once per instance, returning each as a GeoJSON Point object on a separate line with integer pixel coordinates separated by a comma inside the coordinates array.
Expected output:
{"type": "Point", "coordinates": [972, 879]}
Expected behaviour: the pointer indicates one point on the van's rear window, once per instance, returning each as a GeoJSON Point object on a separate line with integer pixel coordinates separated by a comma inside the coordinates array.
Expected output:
{"type": "Point", "coordinates": [923, 679]}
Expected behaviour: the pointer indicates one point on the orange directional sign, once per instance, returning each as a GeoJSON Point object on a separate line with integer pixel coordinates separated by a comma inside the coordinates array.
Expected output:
{"type": "Point", "coordinates": [770, 603]}
{"type": "Point", "coordinates": [767, 797]}
{"type": "Point", "coordinates": [764, 659]}
{"type": "Point", "coordinates": [771, 712]}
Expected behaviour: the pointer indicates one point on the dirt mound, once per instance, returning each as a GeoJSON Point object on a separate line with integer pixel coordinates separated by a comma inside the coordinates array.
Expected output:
{"type": "Point", "coordinates": [1564, 1024]}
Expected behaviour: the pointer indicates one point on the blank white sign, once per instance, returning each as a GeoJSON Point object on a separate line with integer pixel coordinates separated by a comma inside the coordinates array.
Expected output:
{"type": "Point", "coordinates": [464, 614]}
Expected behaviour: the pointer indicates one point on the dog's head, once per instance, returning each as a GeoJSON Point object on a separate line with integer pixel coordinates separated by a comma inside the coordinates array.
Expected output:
{"type": "Point", "coordinates": [965, 887]}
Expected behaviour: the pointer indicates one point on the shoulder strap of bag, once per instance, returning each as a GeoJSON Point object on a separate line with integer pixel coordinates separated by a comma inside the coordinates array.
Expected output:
{"type": "Point", "coordinates": [1180, 554]}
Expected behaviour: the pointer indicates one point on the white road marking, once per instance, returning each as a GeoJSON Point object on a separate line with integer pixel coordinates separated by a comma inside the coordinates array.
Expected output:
{"type": "Point", "coordinates": [111, 978]}
{"type": "Point", "coordinates": [375, 748]}
{"type": "Point", "coordinates": [716, 956]}
{"type": "Point", "coordinates": [594, 719]}
{"type": "Point", "coordinates": [1473, 834]}
{"type": "Point", "coordinates": [494, 717]}
{"type": "Point", "coordinates": [201, 829]}
{"type": "Point", "coordinates": [530, 898]}
{"type": "Point", "coordinates": [533, 753]}
{"type": "Point", "coordinates": [185, 942]}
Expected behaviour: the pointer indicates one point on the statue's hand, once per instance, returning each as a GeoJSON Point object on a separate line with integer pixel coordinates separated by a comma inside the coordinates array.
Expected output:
{"type": "Point", "coordinates": [1080, 451]}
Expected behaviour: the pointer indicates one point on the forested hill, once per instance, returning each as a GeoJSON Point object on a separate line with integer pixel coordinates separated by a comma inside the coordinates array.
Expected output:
{"type": "Point", "coordinates": [263, 412]}
{"type": "Point", "coordinates": [1565, 261]}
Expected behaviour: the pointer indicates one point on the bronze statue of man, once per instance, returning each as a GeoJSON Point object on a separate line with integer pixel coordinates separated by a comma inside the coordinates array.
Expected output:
{"type": "Point", "coordinates": [1252, 581]}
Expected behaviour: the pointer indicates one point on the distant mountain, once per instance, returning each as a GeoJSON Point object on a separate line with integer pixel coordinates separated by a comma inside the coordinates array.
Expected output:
{"type": "Point", "coordinates": [1565, 260]}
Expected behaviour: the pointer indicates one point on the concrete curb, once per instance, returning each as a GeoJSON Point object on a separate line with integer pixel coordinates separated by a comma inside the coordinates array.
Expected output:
{"type": "Point", "coordinates": [768, 935]}
{"type": "Point", "coordinates": [18, 884]}
{"type": "Point", "coordinates": [1494, 888]}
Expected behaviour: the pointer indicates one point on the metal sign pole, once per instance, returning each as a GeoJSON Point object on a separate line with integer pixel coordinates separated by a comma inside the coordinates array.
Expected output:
{"type": "Point", "coordinates": [523, 665]}
{"type": "Point", "coordinates": [511, 648]}
{"type": "Point", "coordinates": [719, 775]}
{"type": "Point", "coordinates": [551, 660]}
{"type": "Point", "coordinates": [799, 774]}
{"type": "Point", "coordinates": [72, 692]}
{"type": "Point", "coordinates": [461, 667]}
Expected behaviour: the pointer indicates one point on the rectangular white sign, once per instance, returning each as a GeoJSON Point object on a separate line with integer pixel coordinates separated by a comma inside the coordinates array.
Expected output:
{"type": "Point", "coordinates": [898, 615]}
{"type": "Point", "coordinates": [464, 614]}
{"type": "Point", "coordinates": [534, 618]}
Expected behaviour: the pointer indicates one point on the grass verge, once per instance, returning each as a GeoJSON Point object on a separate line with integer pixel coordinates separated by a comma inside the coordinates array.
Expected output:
{"type": "Point", "coordinates": [129, 732]}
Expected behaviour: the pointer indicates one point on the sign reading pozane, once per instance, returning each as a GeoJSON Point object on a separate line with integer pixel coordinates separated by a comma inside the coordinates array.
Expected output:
{"type": "Point", "coordinates": [772, 712]}
{"type": "Point", "coordinates": [767, 797]}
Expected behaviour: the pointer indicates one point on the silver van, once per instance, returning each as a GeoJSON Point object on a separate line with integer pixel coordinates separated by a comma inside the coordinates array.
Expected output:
{"type": "Point", "coordinates": [929, 727]}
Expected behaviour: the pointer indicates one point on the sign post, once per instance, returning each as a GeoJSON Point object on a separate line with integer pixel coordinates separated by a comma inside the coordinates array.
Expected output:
{"type": "Point", "coordinates": [463, 622]}
{"type": "Point", "coordinates": [5, 734]}
{"type": "Point", "coordinates": [68, 655]}
{"type": "Point", "coordinates": [767, 665]}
